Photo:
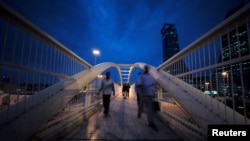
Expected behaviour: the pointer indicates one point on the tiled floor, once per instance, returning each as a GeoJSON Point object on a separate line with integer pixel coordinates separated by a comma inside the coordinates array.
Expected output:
{"type": "Point", "coordinates": [121, 124]}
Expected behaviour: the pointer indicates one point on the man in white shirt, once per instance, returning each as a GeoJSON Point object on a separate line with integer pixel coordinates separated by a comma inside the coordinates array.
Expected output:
{"type": "Point", "coordinates": [107, 87]}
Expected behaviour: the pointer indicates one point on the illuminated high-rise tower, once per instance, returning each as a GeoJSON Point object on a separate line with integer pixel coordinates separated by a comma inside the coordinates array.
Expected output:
{"type": "Point", "coordinates": [170, 44]}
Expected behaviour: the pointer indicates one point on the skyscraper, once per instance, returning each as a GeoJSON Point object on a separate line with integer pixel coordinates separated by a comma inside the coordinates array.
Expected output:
{"type": "Point", "coordinates": [170, 44]}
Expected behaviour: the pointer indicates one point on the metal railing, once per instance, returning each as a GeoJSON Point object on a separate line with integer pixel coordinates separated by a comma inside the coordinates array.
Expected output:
{"type": "Point", "coordinates": [31, 60]}
{"type": "Point", "coordinates": [35, 70]}
{"type": "Point", "coordinates": [79, 108]}
{"type": "Point", "coordinates": [70, 117]}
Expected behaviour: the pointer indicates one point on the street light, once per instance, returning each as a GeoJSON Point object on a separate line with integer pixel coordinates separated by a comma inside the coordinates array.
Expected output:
{"type": "Point", "coordinates": [96, 52]}
{"type": "Point", "coordinates": [206, 86]}
{"type": "Point", "coordinates": [225, 74]}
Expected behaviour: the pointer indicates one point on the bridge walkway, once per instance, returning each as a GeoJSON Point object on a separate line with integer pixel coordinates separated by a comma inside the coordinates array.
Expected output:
{"type": "Point", "coordinates": [122, 123]}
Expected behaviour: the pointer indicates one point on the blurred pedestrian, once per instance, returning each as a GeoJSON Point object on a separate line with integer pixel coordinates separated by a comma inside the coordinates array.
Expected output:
{"type": "Point", "coordinates": [125, 90]}
{"type": "Point", "coordinates": [147, 86]}
{"type": "Point", "coordinates": [107, 88]}
{"type": "Point", "coordinates": [137, 91]}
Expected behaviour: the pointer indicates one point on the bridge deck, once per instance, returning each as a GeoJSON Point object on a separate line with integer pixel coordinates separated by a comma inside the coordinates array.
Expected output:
{"type": "Point", "coordinates": [121, 124]}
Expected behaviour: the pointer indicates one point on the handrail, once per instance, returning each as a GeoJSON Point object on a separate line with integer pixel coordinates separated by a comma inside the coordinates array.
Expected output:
{"type": "Point", "coordinates": [10, 15]}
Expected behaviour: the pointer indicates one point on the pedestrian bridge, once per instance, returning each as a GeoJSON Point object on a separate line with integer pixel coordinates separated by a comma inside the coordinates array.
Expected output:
{"type": "Point", "coordinates": [49, 93]}
{"type": "Point", "coordinates": [121, 124]}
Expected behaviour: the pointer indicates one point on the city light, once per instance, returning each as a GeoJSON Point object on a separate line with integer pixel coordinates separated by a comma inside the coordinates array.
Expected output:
{"type": "Point", "coordinates": [224, 73]}
{"type": "Point", "coordinates": [96, 52]}
{"type": "Point", "coordinates": [206, 86]}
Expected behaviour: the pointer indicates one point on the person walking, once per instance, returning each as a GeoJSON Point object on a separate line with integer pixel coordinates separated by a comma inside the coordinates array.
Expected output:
{"type": "Point", "coordinates": [137, 91]}
{"type": "Point", "coordinates": [107, 88]}
{"type": "Point", "coordinates": [147, 86]}
{"type": "Point", "coordinates": [125, 90]}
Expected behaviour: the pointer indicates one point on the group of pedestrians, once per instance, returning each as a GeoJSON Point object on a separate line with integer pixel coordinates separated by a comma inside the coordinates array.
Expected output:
{"type": "Point", "coordinates": [145, 90]}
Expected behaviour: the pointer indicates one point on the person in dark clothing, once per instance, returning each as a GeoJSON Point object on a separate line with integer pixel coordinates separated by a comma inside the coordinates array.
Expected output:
{"type": "Point", "coordinates": [137, 90]}
{"type": "Point", "coordinates": [125, 90]}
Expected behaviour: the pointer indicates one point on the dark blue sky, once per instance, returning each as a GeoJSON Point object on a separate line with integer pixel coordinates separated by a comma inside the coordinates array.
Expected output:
{"type": "Point", "coordinates": [125, 31]}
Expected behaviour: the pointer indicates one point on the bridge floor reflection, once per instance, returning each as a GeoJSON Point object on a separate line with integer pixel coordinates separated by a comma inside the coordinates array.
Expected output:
{"type": "Point", "coordinates": [121, 124]}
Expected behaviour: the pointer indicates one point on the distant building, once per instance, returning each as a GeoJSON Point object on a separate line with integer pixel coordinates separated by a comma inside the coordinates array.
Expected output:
{"type": "Point", "coordinates": [170, 44]}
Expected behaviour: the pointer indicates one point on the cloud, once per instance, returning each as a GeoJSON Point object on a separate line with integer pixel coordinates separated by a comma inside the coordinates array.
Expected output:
{"type": "Point", "coordinates": [124, 30]}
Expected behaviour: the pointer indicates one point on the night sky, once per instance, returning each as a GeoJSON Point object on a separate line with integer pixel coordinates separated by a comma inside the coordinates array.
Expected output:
{"type": "Point", "coordinates": [125, 31]}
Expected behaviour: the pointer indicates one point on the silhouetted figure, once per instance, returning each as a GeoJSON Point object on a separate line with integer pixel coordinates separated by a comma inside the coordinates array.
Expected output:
{"type": "Point", "coordinates": [125, 90]}
{"type": "Point", "coordinates": [137, 90]}
{"type": "Point", "coordinates": [107, 87]}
